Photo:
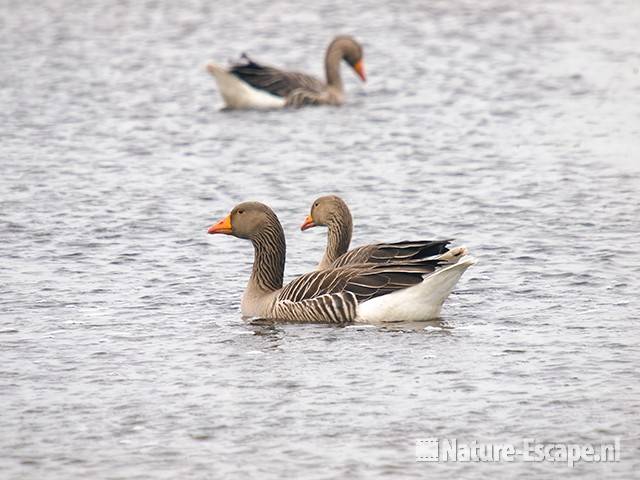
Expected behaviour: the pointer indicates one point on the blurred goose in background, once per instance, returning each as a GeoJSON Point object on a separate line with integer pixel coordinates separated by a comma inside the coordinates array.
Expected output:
{"type": "Point", "coordinates": [251, 85]}
{"type": "Point", "coordinates": [400, 291]}
{"type": "Point", "coordinates": [332, 212]}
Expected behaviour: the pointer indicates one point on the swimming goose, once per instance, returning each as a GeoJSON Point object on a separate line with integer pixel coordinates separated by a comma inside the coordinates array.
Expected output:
{"type": "Point", "coordinates": [401, 291]}
{"type": "Point", "coordinates": [251, 85]}
{"type": "Point", "coordinates": [332, 212]}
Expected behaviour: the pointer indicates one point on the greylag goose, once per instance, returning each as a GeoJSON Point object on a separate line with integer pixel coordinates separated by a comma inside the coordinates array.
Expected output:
{"type": "Point", "coordinates": [332, 212]}
{"type": "Point", "coordinates": [399, 291]}
{"type": "Point", "coordinates": [251, 85]}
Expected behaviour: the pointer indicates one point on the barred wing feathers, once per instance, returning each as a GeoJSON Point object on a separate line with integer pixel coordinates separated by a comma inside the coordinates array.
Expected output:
{"type": "Point", "coordinates": [333, 294]}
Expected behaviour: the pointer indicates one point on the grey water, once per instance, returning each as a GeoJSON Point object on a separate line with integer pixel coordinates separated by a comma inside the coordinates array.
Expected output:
{"type": "Point", "coordinates": [513, 127]}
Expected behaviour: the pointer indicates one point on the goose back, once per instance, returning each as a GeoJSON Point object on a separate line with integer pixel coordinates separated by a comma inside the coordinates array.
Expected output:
{"type": "Point", "coordinates": [273, 80]}
{"type": "Point", "coordinates": [392, 252]}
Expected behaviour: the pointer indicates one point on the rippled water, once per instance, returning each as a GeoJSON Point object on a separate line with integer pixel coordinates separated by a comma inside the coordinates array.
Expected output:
{"type": "Point", "coordinates": [511, 126]}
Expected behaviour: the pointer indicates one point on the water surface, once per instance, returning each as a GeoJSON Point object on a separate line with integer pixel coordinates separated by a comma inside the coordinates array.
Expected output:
{"type": "Point", "coordinates": [513, 127]}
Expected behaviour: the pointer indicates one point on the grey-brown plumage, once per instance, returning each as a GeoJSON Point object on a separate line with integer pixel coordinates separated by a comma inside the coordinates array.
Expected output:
{"type": "Point", "coordinates": [273, 80]}
{"type": "Point", "coordinates": [331, 211]}
{"type": "Point", "coordinates": [300, 89]}
{"type": "Point", "coordinates": [330, 295]}
{"type": "Point", "coordinates": [334, 293]}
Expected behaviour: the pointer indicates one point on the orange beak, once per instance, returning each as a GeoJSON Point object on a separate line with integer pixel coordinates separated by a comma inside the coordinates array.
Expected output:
{"type": "Point", "coordinates": [308, 223]}
{"type": "Point", "coordinates": [223, 226]}
{"type": "Point", "coordinates": [359, 68]}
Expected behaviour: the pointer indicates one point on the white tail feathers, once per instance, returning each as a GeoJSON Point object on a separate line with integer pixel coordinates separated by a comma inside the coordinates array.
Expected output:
{"type": "Point", "coordinates": [418, 303]}
{"type": "Point", "coordinates": [454, 255]}
{"type": "Point", "coordinates": [241, 95]}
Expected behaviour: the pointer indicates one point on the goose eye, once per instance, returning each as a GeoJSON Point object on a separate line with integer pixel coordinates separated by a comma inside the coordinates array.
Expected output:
{"type": "Point", "coordinates": [240, 211]}
{"type": "Point", "coordinates": [315, 205]}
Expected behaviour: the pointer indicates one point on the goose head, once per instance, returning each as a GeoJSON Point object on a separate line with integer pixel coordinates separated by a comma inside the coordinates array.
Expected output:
{"type": "Point", "coordinates": [348, 49]}
{"type": "Point", "coordinates": [353, 55]}
{"type": "Point", "coordinates": [248, 220]}
{"type": "Point", "coordinates": [327, 211]}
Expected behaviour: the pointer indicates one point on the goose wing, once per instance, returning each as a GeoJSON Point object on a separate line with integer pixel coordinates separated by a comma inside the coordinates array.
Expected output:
{"type": "Point", "coordinates": [333, 295]}
{"type": "Point", "coordinates": [303, 96]}
{"type": "Point", "coordinates": [382, 253]}
{"type": "Point", "coordinates": [340, 295]}
{"type": "Point", "coordinates": [365, 281]}
{"type": "Point", "coordinates": [273, 80]}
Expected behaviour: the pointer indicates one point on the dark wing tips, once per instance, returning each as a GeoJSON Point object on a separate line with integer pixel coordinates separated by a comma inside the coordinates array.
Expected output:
{"type": "Point", "coordinates": [404, 251]}
{"type": "Point", "coordinates": [245, 61]}
{"type": "Point", "coordinates": [437, 247]}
